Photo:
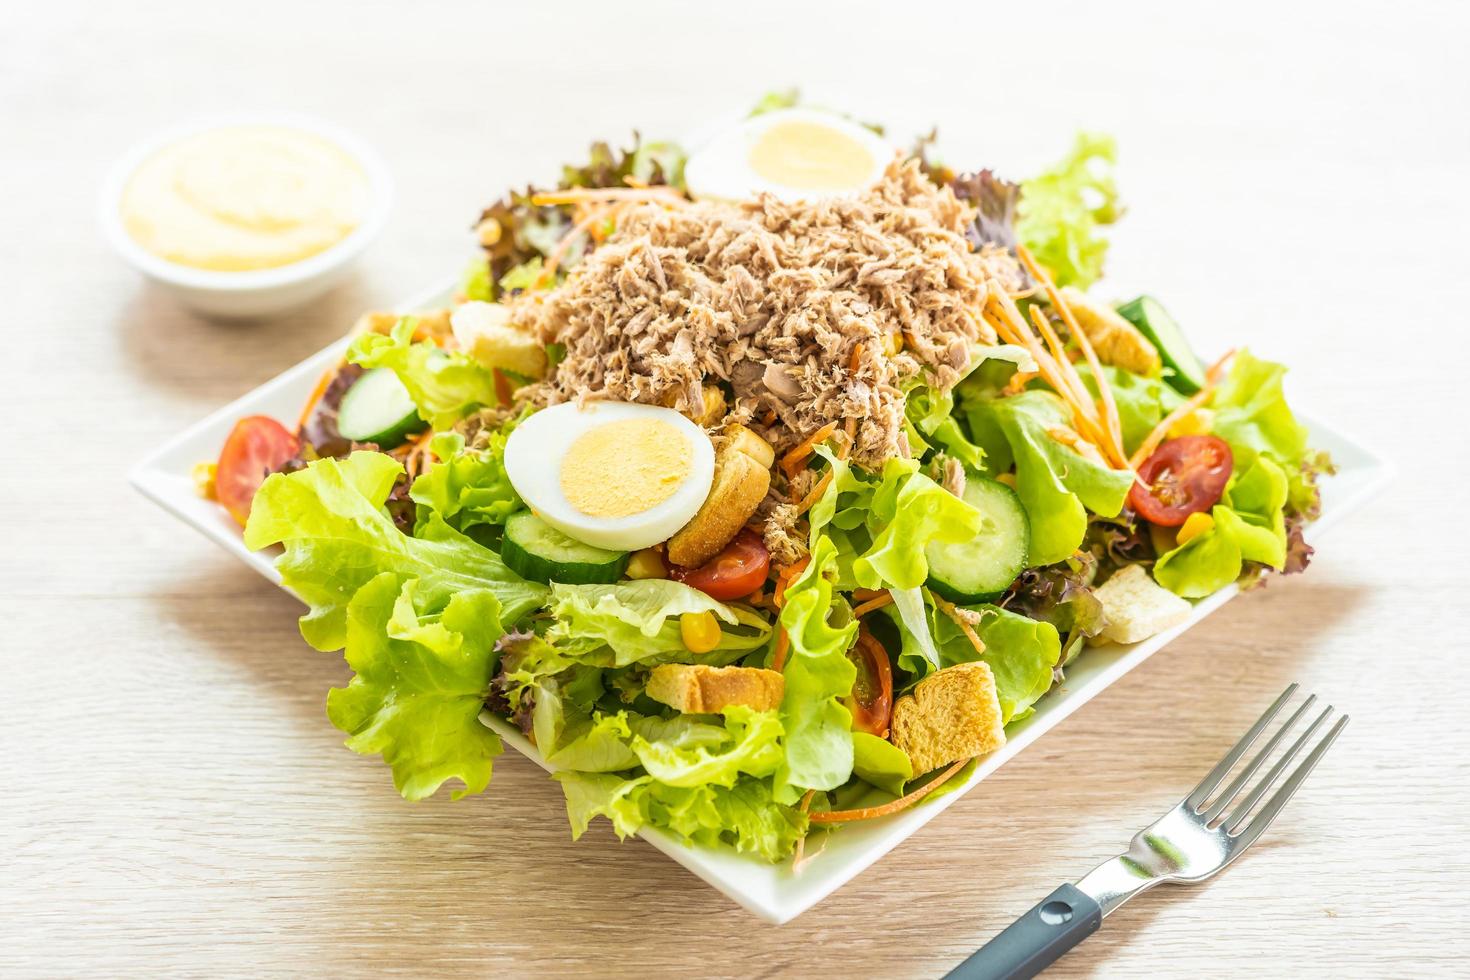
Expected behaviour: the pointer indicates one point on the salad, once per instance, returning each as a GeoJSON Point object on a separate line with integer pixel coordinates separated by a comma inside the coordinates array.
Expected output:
{"type": "Point", "coordinates": [763, 488]}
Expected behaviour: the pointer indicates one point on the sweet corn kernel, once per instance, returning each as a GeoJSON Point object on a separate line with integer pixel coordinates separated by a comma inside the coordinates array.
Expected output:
{"type": "Point", "coordinates": [1194, 525]}
{"type": "Point", "coordinates": [699, 631]}
{"type": "Point", "coordinates": [488, 232]}
{"type": "Point", "coordinates": [1195, 423]}
{"type": "Point", "coordinates": [203, 475]}
{"type": "Point", "coordinates": [647, 563]}
{"type": "Point", "coordinates": [892, 344]}
{"type": "Point", "coordinates": [1009, 479]}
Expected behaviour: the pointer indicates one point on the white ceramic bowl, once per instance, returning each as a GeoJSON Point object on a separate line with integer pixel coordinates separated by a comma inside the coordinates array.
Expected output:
{"type": "Point", "coordinates": [257, 292]}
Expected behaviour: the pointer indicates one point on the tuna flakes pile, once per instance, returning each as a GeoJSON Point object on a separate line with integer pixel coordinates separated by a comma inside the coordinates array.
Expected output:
{"type": "Point", "coordinates": [807, 312]}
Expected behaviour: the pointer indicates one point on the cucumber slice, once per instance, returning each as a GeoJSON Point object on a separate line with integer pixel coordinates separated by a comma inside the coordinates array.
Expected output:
{"type": "Point", "coordinates": [1158, 326]}
{"type": "Point", "coordinates": [982, 568]}
{"type": "Point", "coordinates": [377, 408]}
{"type": "Point", "coordinates": [537, 551]}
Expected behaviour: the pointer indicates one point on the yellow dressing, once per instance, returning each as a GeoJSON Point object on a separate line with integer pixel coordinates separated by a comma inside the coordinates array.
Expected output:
{"type": "Point", "coordinates": [809, 156]}
{"type": "Point", "coordinates": [244, 197]}
{"type": "Point", "coordinates": [625, 467]}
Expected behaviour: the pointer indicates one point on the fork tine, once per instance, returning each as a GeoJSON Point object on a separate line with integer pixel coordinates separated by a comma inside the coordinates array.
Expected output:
{"type": "Point", "coordinates": [1238, 783]}
{"type": "Point", "coordinates": [1207, 785]}
{"type": "Point", "coordinates": [1273, 806]}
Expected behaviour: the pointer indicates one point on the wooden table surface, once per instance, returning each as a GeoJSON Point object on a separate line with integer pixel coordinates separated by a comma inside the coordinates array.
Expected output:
{"type": "Point", "coordinates": [175, 800]}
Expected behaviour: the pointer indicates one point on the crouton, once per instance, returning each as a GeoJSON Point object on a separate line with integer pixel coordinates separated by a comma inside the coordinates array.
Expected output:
{"type": "Point", "coordinates": [953, 714]}
{"type": "Point", "coordinates": [698, 689]}
{"type": "Point", "coordinates": [1137, 607]}
{"type": "Point", "coordinates": [740, 484]}
{"type": "Point", "coordinates": [485, 332]}
{"type": "Point", "coordinates": [1116, 341]}
{"type": "Point", "coordinates": [742, 439]}
{"type": "Point", "coordinates": [431, 323]}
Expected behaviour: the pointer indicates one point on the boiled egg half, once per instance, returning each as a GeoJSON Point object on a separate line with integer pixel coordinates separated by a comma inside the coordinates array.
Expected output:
{"type": "Point", "coordinates": [612, 474]}
{"type": "Point", "coordinates": [795, 154]}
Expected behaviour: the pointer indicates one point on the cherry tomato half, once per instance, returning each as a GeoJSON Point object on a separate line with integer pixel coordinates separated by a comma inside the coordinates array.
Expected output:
{"type": "Point", "coordinates": [1184, 476]}
{"type": "Point", "coordinates": [871, 701]}
{"type": "Point", "coordinates": [257, 446]}
{"type": "Point", "coordinates": [737, 571]}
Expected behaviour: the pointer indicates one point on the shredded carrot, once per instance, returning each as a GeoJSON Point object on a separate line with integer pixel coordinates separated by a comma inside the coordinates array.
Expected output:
{"type": "Point", "coordinates": [815, 493]}
{"type": "Point", "coordinates": [894, 806]}
{"type": "Point", "coordinates": [948, 608]}
{"type": "Point", "coordinates": [855, 358]}
{"type": "Point", "coordinates": [1019, 381]}
{"type": "Point", "coordinates": [418, 448]}
{"type": "Point", "coordinates": [876, 603]}
{"type": "Point", "coordinates": [504, 393]}
{"type": "Point", "coordinates": [1161, 431]}
{"type": "Point", "coordinates": [863, 595]}
{"type": "Point", "coordinates": [797, 456]}
{"type": "Point", "coordinates": [322, 384]}
{"type": "Point", "coordinates": [783, 646]}
{"type": "Point", "coordinates": [803, 807]}
{"type": "Point", "coordinates": [784, 577]}
{"type": "Point", "coordinates": [1110, 405]}
{"type": "Point", "coordinates": [574, 195]}
{"type": "Point", "coordinates": [548, 269]}
{"type": "Point", "coordinates": [769, 417]}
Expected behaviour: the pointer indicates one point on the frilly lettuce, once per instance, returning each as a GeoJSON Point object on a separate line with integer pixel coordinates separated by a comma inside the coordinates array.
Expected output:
{"type": "Point", "coordinates": [466, 487]}
{"type": "Point", "coordinates": [443, 384]}
{"type": "Point", "coordinates": [880, 763]}
{"type": "Point", "coordinates": [744, 817]}
{"type": "Point", "coordinates": [1061, 210]}
{"type": "Point", "coordinates": [818, 674]}
{"type": "Point", "coordinates": [420, 683]}
{"type": "Point", "coordinates": [337, 536]}
{"type": "Point", "coordinates": [638, 621]}
{"type": "Point", "coordinates": [1056, 484]}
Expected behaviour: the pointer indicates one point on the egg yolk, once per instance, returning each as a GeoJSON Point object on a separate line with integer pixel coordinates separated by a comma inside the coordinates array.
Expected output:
{"type": "Point", "coordinates": [625, 467]}
{"type": "Point", "coordinates": [809, 156]}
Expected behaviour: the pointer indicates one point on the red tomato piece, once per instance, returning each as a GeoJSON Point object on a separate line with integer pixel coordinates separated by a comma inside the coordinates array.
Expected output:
{"type": "Point", "coordinates": [871, 701]}
{"type": "Point", "coordinates": [1184, 476]}
{"type": "Point", "coordinates": [257, 446]}
{"type": "Point", "coordinates": [735, 572]}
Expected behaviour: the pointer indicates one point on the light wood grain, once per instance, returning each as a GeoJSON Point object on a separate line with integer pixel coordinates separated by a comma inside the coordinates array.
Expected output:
{"type": "Point", "coordinates": [175, 800]}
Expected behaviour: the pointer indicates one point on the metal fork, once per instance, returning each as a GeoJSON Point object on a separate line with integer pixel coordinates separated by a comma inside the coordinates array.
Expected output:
{"type": "Point", "coordinates": [1188, 844]}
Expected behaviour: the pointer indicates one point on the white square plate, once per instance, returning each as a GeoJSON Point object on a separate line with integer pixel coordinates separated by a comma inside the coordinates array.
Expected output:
{"type": "Point", "coordinates": [771, 892]}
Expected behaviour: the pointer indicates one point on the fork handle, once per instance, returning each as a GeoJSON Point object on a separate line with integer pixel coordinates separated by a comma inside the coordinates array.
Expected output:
{"type": "Point", "coordinates": [1036, 940]}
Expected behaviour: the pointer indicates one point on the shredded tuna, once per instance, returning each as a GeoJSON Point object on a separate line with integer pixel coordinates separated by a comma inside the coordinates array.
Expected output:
{"type": "Point", "coordinates": [807, 312]}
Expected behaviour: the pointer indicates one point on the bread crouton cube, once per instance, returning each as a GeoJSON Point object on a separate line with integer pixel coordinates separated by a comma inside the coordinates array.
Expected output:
{"type": "Point", "coordinates": [698, 689]}
{"type": "Point", "coordinates": [953, 714]}
{"type": "Point", "coordinates": [1116, 341]}
{"type": "Point", "coordinates": [740, 485]}
{"type": "Point", "coordinates": [1137, 607]}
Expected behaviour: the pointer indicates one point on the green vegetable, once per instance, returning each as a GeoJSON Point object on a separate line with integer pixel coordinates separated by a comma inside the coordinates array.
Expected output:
{"type": "Point", "coordinates": [419, 684]}
{"type": "Point", "coordinates": [1251, 411]}
{"type": "Point", "coordinates": [880, 763]}
{"type": "Point", "coordinates": [466, 488]}
{"type": "Point", "coordinates": [1057, 484]}
{"type": "Point", "coordinates": [330, 517]}
{"type": "Point", "coordinates": [1061, 211]}
{"type": "Point", "coordinates": [752, 747]}
{"type": "Point", "coordinates": [1142, 402]}
{"type": "Point", "coordinates": [983, 567]}
{"type": "Point", "coordinates": [539, 552]}
{"type": "Point", "coordinates": [1150, 317]}
{"type": "Point", "coordinates": [445, 385]}
{"type": "Point", "coordinates": [378, 409]}
{"type": "Point", "coordinates": [638, 622]}
{"type": "Point", "coordinates": [476, 283]}
{"type": "Point", "coordinates": [744, 817]}
{"type": "Point", "coordinates": [818, 675]}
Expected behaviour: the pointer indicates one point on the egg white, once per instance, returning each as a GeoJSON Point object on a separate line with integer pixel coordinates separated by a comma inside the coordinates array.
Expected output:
{"type": "Point", "coordinates": [720, 170]}
{"type": "Point", "coordinates": [533, 461]}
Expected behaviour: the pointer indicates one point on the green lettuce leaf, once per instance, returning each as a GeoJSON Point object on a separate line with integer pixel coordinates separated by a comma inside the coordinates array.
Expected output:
{"type": "Point", "coordinates": [445, 385]}
{"type": "Point", "coordinates": [818, 675]}
{"type": "Point", "coordinates": [1142, 402]}
{"type": "Point", "coordinates": [330, 517]}
{"type": "Point", "coordinates": [475, 282]}
{"type": "Point", "coordinates": [1056, 484]}
{"type": "Point", "coordinates": [1061, 211]}
{"type": "Point", "coordinates": [744, 817]}
{"type": "Point", "coordinates": [638, 621]}
{"type": "Point", "coordinates": [466, 487]}
{"type": "Point", "coordinates": [419, 686]}
{"type": "Point", "coordinates": [880, 763]}
{"type": "Point", "coordinates": [1251, 411]}
{"type": "Point", "coordinates": [752, 747]}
